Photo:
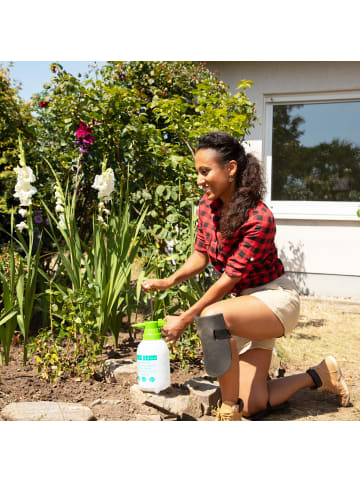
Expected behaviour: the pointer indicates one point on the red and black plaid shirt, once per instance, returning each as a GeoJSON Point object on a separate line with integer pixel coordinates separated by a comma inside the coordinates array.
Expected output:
{"type": "Point", "coordinates": [250, 254]}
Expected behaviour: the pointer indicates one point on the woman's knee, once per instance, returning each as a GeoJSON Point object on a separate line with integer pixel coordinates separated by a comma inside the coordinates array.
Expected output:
{"type": "Point", "coordinates": [253, 387]}
{"type": "Point", "coordinates": [211, 310]}
{"type": "Point", "coordinates": [217, 309]}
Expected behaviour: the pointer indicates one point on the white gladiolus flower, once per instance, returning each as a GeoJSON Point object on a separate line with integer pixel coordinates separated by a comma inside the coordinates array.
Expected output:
{"type": "Point", "coordinates": [25, 174]}
{"type": "Point", "coordinates": [101, 221]}
{"type": "Point", "coordinates": [25, 196]}
{"type": "Point", "coordinates": [59, 208]}
{"type": "Point", "coordinates": [22, 226]}
{"type": "Point", "coordinates": [106, 211]}
{"type": "Point", "coordinates": [24, 191]}
{"type": "Point", "coordinates": [105, 184]}
{"type": "Point", "coordinates": [23, 188]}
{"type": "Point", "coordinates": [62, 223]}
{"type": "Point", "coordinates": [23, 212]}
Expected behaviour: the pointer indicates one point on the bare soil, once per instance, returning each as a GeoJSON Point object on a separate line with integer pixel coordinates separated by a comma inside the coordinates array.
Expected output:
{"type": "Point", "coordinates": [325, 327]}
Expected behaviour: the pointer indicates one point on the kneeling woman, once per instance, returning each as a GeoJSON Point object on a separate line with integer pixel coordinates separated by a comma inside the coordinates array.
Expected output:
{"type": "Point", "coordinates": [236, 232]}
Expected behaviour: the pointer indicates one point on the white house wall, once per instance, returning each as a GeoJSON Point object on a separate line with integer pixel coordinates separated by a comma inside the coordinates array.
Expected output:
{"type": "Point", "coordinates": [322, 256]}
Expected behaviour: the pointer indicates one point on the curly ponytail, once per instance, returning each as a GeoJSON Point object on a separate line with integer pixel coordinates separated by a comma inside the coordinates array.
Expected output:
{"type": "Point", "coordinates": [249, 183]}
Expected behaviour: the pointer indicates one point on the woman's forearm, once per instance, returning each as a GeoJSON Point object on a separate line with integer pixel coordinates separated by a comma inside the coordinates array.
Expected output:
{"type": "Point", "coordinates": [195, 263]}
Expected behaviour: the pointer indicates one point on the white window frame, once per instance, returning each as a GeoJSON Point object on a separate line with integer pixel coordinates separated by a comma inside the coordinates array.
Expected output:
{"type": "Point", "coordinates": [327, 210]}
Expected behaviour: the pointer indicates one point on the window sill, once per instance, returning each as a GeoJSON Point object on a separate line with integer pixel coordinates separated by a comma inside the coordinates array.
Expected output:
{"type": "Point", "coordinates": [330, 211]}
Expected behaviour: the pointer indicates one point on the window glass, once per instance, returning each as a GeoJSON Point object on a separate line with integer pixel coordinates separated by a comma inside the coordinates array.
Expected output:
{"type": "Point", "coordinates": [316, 152]}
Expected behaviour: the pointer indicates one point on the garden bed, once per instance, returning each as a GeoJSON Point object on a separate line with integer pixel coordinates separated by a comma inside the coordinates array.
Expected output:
{"type": "Point", "coordinates": [22, 383]}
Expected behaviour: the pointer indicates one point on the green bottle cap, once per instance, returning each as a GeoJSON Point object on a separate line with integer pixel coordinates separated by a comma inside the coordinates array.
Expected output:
{"type": "Point", "coordinates": [152, 329]}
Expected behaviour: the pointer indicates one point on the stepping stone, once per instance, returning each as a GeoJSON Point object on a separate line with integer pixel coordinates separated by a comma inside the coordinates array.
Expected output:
{"type": "Point", "coordinates": [115, 369]}
{"type": "Point", "coordinates": [206, 391]}
{"type": "Point", "coordinates": [47, 411]}
{"type": "Point", "coordinates": [195, 398]}
{"type": "Point", "coordinates": [173, 400]}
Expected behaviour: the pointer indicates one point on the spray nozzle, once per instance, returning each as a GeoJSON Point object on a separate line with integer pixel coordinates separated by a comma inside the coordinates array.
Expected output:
{"type": "Point", "coordinates": [152, 329]}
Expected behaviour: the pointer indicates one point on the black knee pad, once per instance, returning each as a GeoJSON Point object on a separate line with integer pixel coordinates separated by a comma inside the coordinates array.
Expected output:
{"type": "Point", "coordinates": [215, 343]}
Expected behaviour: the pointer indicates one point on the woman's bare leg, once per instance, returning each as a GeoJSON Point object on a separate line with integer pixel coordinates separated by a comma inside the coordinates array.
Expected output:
{"type": "Point", "coordinates": [247, 317]}
{"type": "Point", "coordinates": [256, 391]}
{"type": "Point", "coordinates": [229, 382]}
{"type": "Point", "coordinates": [281, 389]}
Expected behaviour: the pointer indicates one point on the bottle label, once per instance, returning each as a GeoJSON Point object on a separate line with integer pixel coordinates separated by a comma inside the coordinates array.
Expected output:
{"type": "Point", "coordinates": [147, 367]}
{"type": "Point", "coordinates": [147, 357]}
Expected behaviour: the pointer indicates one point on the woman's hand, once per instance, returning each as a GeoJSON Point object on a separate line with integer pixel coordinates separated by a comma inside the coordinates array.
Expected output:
{"type": "Point", "coordinates": [175, 325]}
{"type": "Point", "coordinates": [156, 284]}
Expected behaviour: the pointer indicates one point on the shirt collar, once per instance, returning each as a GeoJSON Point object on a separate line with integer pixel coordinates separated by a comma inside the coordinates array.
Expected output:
{"type": "Point", "coordinates": [215, 206]}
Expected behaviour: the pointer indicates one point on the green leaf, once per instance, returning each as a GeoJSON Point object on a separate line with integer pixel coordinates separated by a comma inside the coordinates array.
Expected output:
{"type": "Point", "coordinates": [173, 218]}
{"type": "Point", "coordinates": [160, 190]}
{"type": "Point", "coordinates": [7, 317]}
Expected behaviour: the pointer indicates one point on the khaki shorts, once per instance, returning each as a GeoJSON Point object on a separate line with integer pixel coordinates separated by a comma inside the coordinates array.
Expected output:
{"type": "Point", "coordinates": [282, 298]}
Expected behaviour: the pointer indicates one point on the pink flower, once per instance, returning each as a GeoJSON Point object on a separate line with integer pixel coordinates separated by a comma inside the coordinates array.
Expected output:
{"type": "Point", "coordinates": [83, 130]}
{"type": "Point", "coordinates": [84, 137]}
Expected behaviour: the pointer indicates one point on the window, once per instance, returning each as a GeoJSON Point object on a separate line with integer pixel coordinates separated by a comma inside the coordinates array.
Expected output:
{"type": "Point", "coordinates": [312, 151]}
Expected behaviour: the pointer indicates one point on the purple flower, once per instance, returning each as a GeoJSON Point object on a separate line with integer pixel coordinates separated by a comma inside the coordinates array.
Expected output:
{"type": "Point", "coordinates": [38, 219]}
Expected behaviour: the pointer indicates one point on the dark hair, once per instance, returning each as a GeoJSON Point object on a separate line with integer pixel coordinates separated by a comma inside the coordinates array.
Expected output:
{"type": "Point", "coordinates": [249, 183]}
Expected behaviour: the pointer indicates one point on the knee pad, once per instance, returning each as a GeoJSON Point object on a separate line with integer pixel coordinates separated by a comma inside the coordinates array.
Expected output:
{"type": "Point", "coordinates": [215, 343]}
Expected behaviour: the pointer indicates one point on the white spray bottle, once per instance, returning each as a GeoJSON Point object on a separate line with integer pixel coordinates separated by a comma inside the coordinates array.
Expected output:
{"type": "Point", "coordinates": [153, 360]}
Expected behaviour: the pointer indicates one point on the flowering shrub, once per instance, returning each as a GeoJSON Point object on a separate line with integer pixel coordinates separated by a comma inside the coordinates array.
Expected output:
{"type": "Point", "coordinates": [146, 115]}
{"type": "Point", "coordinates": [15, 119]}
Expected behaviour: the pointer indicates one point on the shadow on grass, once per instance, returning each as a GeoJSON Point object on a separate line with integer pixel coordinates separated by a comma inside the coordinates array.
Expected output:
{"type": "Point", "coordinates": [315, 323]}
{"type": "Point", "coordinates": [303, 336]}
{"type": "Point", "coordinates": [308, 404]}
